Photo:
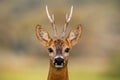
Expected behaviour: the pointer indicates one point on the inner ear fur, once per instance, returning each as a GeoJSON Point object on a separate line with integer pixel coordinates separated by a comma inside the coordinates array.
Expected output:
{"type": "Point", "coordinates": [75, 34]}
{"type": "Point", "coordinates": [43, 35]}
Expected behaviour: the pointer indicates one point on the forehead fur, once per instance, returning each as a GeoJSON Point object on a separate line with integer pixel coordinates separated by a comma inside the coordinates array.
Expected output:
{"type": "Point", "coordinates": [59, 43]}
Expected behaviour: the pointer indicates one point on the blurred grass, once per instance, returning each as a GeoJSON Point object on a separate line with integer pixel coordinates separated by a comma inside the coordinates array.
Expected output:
{"type": "Point", "coordinates": [41, 74]}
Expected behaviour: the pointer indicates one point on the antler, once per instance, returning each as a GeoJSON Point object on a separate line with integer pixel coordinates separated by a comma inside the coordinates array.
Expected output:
{"type": "Point", "coordinates": [68, 18]}
{"type": "Point", "coordinates": [52, 20]}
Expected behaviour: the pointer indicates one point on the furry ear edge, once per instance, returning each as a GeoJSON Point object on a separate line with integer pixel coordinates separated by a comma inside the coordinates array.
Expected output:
{"type": "Point", "coordinates": [75, 34]}
{"type": "Point", "coordinates": [42, 35]}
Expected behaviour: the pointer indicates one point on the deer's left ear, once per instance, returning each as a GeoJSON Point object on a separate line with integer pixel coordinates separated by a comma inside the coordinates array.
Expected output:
{"type": "Point", "coordinates": [42, 35]}
{"type": "Point", "coordinates": [74, 35]}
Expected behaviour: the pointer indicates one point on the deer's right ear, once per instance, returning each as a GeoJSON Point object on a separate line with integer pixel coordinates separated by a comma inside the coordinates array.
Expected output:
{"type": "Point", "coordinates": [42, 35]}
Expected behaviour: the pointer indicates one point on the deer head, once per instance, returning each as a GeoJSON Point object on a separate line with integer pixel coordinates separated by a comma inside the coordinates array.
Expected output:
{"type": "Point", "coordinates": [59, 46]}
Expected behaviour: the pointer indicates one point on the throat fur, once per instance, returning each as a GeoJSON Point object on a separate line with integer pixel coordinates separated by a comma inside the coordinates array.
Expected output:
{"type": "Point", "coordinates": [58, 74]}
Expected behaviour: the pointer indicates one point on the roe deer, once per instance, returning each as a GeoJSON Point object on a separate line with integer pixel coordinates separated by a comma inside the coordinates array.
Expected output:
{"type": "Point", "coordinates": [59, 46]}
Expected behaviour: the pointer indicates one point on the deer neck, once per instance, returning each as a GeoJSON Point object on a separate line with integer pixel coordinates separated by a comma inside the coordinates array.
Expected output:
{"type": "Point", "coordinates": [58, 74]}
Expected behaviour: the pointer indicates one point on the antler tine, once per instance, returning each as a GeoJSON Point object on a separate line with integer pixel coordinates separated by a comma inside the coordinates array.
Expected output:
{"type": "Point", "coordinates": [68, 18]}
{"type": "Point", "coordinates": [70, 15]}
{"type": "Point", "coordinates": [51, 18]}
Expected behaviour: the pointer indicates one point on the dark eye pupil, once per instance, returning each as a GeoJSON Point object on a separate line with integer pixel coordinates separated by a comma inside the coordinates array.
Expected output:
{"type": "Point", "coordinates": [50, 50]}
{"type": "Point", "coordinates": [67, 50]}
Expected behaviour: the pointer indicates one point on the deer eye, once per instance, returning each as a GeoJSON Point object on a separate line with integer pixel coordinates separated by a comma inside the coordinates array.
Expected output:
{"type": "Point", "coordinates": [50, 50]}
{"type": "Point", "coordinates": [67, 50]}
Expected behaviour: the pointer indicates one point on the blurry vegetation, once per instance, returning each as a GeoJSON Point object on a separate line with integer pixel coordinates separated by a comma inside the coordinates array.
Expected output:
{"type": "Point", "coordinates": [114, 69]}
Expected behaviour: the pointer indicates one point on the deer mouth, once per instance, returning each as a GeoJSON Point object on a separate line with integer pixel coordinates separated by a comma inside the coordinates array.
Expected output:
{"type": "Point", "coordinates": [58, 65]}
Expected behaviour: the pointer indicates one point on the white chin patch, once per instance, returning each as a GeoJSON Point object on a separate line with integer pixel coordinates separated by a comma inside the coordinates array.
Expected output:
{"type": "Point", "coordinates": [58, 66]}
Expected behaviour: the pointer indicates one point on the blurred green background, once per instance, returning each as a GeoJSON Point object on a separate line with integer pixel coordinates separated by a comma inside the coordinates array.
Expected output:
{"type": "Point", "coordinates": [95, 57]}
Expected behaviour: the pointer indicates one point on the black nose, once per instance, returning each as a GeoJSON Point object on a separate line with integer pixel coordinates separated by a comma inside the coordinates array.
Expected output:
{"type": "Point", "coordinates": [59, 61]}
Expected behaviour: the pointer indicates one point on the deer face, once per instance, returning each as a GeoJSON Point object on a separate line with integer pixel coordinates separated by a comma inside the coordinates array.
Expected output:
{"type": "Point", "coordinates": [59, 52]}
{"type": "Point", "coordinates": [58, 47]}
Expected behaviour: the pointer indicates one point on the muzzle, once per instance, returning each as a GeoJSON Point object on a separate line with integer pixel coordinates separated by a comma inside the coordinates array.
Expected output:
{"type": "Point", "coordinates": [58, 62]}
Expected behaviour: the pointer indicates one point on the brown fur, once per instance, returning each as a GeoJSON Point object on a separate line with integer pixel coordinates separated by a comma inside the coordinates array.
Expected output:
{"type": "Point", "coordinates": [58, 74]}
{"type": "Point", "coordinates": [59, 43]}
